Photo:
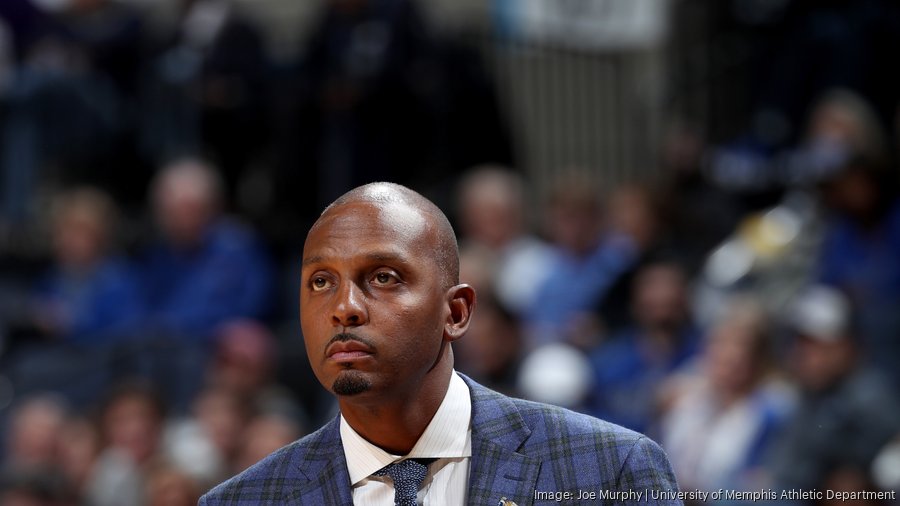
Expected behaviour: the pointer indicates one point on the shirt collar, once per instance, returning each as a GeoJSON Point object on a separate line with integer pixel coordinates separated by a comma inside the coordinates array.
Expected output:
{"type": "Point", "coordinates": [447, 436]}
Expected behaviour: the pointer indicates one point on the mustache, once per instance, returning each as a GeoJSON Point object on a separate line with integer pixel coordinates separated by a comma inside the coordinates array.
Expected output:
{"type": "Point", "coordinates": [347, 336]}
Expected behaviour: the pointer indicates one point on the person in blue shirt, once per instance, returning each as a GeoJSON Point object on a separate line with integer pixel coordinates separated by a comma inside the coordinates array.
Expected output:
{"type": "Point", "coordinates": [860, 254]}
{"type": "Point", "coordinates": [206, 269]}
{"type": "Point", "coordinates": [630, 367]}
{"type": "Point", "coordinates": [83, 311]}
{"type": "Point", "coordinates": [89, 296]}
{"type": "Point", "coordinates": [586, 260]}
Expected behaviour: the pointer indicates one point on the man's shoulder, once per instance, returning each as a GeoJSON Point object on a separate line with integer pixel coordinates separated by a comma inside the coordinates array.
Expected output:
{"type": "Point", "coordinates": [546, 420]}
{"type": "Point", "coordinates": [576, 451]}
{"type": "Point", "coordinates": [265, 481]}
{"type": "Point", "coordinates": [554, 424]}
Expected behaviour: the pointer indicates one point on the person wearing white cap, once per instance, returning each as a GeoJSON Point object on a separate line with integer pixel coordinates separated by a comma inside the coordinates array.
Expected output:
{"type": "Point", "coordinates": [847, 411]}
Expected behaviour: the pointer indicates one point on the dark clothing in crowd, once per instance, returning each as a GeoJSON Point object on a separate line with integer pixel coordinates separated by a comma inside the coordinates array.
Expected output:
{"type": "Point", "coordinates": [207, 91]}
{"type": "Point", "coordinates": [841, 428]}
{"type": "Point", "coordinates": [363, 71]}
{"type": "Point", "coordinates": [71, 103]}
{"type": "Point", "coordinates": [864, 262]}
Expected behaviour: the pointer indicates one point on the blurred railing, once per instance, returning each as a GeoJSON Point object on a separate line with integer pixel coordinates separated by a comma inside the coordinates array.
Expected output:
{"type": "Point", "coordinates": [593, 113]}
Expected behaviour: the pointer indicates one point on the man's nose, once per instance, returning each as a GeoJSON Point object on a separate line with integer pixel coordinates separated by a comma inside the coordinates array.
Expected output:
{"type": "Point", "coordinates": [350, 309]}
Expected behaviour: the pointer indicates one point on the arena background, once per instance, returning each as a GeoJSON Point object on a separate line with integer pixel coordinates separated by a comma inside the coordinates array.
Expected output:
{"type": "Point", "coordinates": [680, 215]}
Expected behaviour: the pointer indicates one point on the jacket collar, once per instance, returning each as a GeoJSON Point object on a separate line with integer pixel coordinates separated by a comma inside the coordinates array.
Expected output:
{"type": "Point", "coordinates": [496, 469]}
{"type": "Point", "coordinates": [325, 468]}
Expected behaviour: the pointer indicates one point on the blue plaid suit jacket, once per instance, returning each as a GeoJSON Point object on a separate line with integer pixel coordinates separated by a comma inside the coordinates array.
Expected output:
{"type": "Point", "coordinates": [518, 447]}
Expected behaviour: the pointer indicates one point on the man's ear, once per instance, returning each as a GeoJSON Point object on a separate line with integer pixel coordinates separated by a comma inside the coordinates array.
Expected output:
{"type": "Point", "coordinates": [461, 299]}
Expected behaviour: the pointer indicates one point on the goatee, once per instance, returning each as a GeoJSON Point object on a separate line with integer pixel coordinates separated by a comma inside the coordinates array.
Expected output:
{"type": "Point", "coordinates": [350, 383]}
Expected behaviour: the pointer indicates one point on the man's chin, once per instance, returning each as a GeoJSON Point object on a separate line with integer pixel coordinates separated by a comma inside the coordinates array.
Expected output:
{"type": "Point", "coordinates": [349, 383]}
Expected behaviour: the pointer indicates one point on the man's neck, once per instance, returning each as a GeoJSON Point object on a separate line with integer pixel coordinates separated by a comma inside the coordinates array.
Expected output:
{"type": "Point", "coordinates": [396, 424]}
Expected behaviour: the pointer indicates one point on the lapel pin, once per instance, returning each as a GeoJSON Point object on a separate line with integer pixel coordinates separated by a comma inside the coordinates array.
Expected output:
{"type": "Point", "coordinates": [506, 502]}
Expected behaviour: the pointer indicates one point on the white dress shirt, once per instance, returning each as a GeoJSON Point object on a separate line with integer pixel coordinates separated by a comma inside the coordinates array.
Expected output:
{"type": "Point", "coordinates": [448, 438]}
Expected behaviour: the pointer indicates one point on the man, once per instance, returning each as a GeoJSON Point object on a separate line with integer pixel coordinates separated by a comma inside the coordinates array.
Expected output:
{"type": "Point", "coordinates": [206, 269]}
{"type": "Point", "coordinates": [380, 306]}
{"type": "Point", "coordinates": [629, 367]}
{"type": "Point", "coordinates": [847, 411]}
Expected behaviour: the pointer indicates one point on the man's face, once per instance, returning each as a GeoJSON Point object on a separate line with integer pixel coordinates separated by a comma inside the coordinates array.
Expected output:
{"type": "Point", "coordinates": [184, 209]}
{"type": "Point", "coordinates": [373, 305]}
{"type": "Point", "coordinates": [820, 364]}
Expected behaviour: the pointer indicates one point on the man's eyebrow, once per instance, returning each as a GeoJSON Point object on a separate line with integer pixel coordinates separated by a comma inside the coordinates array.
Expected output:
{"type": "Point", "coordinates": [386, 256]}
{"type": "Point", "coordinates": [313, 260]}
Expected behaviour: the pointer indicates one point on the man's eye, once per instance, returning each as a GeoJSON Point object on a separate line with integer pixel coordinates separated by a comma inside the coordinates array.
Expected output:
{"type": "Point", "coordinates": [383, 278]}
{"type": "Point", "coordinates": [319, 283]}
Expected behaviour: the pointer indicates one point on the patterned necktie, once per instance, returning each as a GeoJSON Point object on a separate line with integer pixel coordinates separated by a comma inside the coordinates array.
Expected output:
{"type": "Point", "coordinates": [407, 475]}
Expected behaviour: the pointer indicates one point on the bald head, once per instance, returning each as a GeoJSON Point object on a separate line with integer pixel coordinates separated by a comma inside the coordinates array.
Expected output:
{"type": "Point", "coordinates": [187, 196]}
{"type": "Point", "coordinates": [446, 250]}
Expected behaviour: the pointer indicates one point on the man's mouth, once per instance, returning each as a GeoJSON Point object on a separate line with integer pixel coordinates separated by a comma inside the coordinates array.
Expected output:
{"type": "Point", "coordinates": [348, 350]}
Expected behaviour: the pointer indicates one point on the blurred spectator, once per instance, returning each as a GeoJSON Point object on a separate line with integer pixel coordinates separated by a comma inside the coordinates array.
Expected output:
{"type": "Point", "coordinates": [79, 448]}
{"type": "Point", "coordinates": [586, 261]}
{"type": "Point", "coordinates": [168, 486]}
{"type": "Point", "coordinates": [90, 296]}
{"type": "Point", "coordinates": [83, 310]}
{"type": "Point", "coordinates": [33, 441]}
{"type": "Point", "coordinates": [131, 426]}
{"type": "Point", "coordinates": [860, 253]}
{"type": "Point", "coordinates": [821, 45]}
{"type": "Point", "coordinates": [696, 214]}
{"type": "Point", "coordinates": [491, 207]}
{"type": "Point", "coordinates": [723, 416]}
{"type": "Point", "coordinates": [244, 366]}
{"type": "Point", "coordinates": [207, 89]}
{"type": "Point", "coordinates": [34, 489]}
{"type": "Point", "coordinates": [491, 352]}
{"type": "Point", "coordinates": [475, 268]}
{"type": "Point", "coordinates": [226, 435]}
{"type": "Point", "coordinates": [132, 421]}
{"type": "Point", "coordinates": [266, 433]}
{"type": "Point", "coordinates": [240, 386]}
{"type": "Point", "coordinates": [633, 213]}
{"type": "Point", "coordinates": [206, 445]}
{"type": "Point", "coordinates": [206, 270]}
{"type": "Point", "coordinates": [630, 366]}
{"type": "Point", "coordinates": [847, 413]}
{"type": "Point", "coordinates": [814, 47]}
{"type": "Point", "coordinates": [29, 475]}
{"type": "Point", "coordinates": [843, 122]}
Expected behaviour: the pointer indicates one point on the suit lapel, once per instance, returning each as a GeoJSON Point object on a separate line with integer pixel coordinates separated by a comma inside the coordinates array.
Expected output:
{"type": "Point", "coordinates": [324, 469]}
{"type": "Point", "coordinates": [497, 469]}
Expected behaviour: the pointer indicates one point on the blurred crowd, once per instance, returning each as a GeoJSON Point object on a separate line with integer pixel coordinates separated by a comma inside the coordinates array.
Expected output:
{"type": "Point", "coordinates": [742, 307]}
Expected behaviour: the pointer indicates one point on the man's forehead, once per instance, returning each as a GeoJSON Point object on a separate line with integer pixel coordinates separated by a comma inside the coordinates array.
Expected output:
{"type": "Point", "coordinates": [401, 221]}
